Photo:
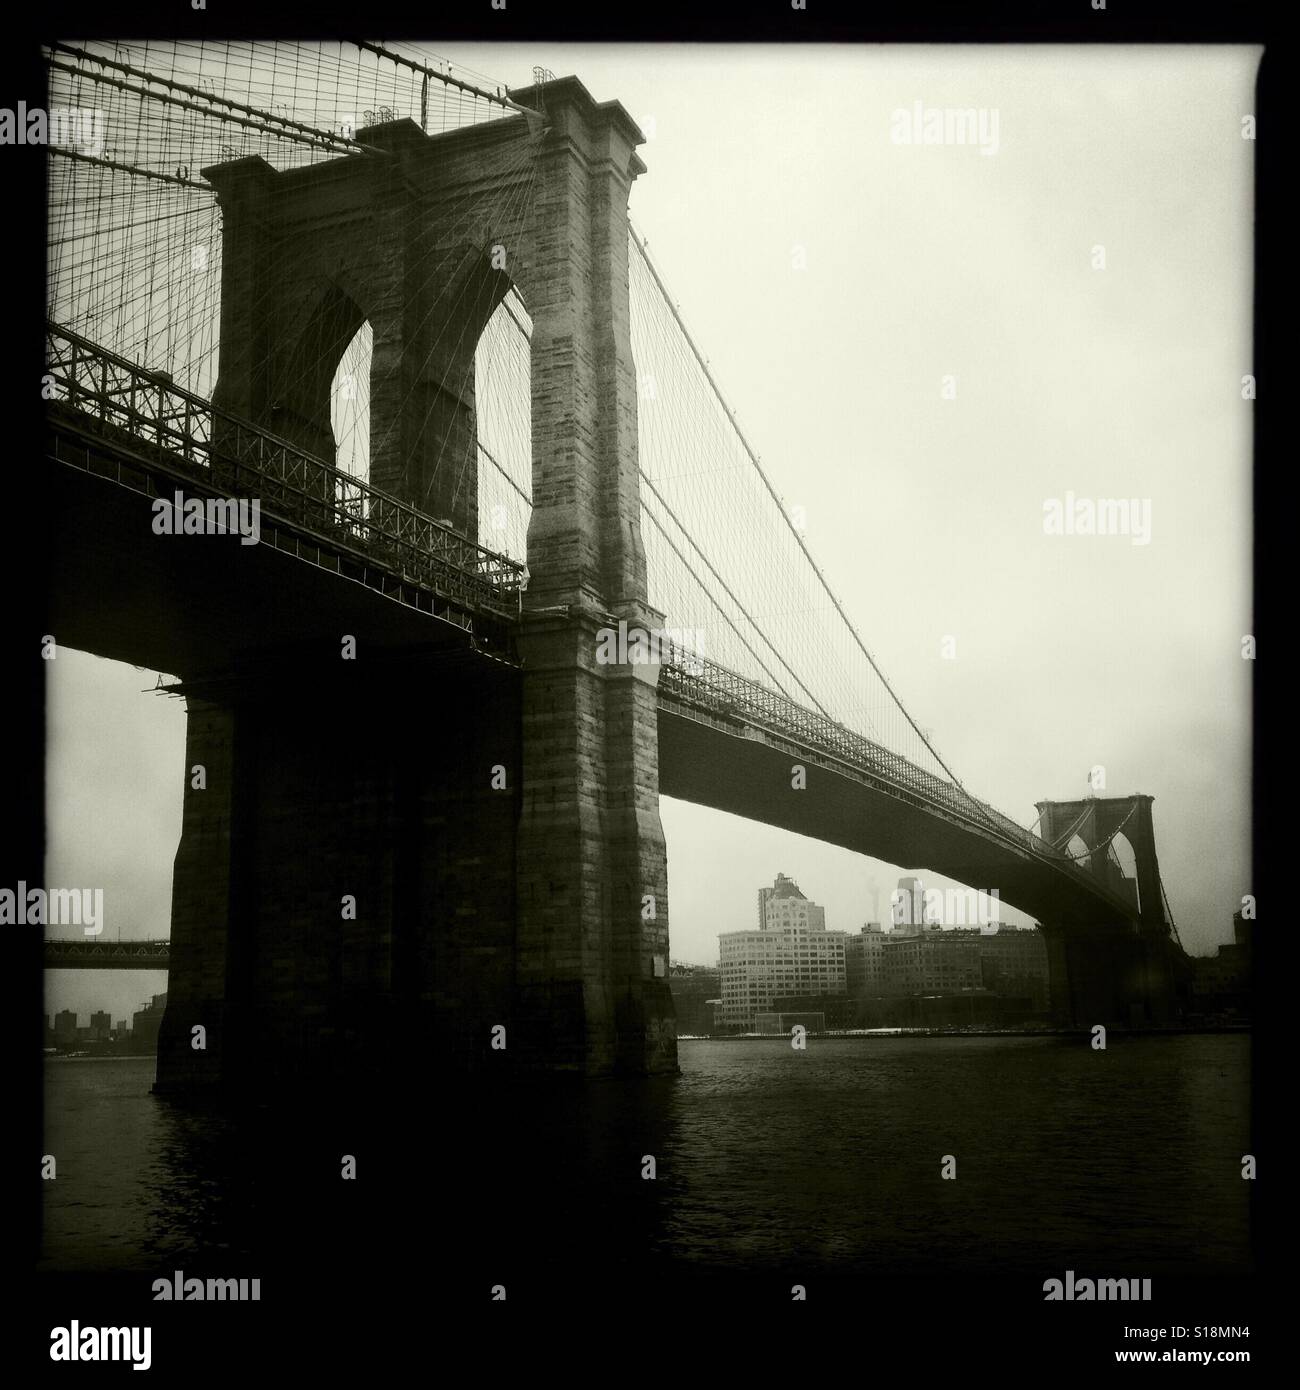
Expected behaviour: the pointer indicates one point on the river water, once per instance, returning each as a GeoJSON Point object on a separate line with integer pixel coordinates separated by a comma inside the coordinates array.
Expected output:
{"type": "Point", "coordinates": [824, 1162]}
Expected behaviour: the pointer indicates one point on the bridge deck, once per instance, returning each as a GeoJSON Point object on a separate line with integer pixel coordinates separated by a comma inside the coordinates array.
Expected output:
{"type": "Point", "coordinates": [89, 954]}
{"type": "Point", "coordinates": [125, 431]}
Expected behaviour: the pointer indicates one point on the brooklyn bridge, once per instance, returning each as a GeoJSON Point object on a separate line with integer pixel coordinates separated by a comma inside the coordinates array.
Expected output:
{"type": "Point", "coordinates": [410, 318]}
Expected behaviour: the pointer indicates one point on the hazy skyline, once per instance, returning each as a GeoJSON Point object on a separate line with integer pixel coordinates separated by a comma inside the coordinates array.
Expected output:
{"type": "Point", "coordinates": [925, 513]}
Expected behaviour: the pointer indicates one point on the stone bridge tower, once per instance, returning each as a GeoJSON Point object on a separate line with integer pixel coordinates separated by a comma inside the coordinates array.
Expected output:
{"type": "Point", "coordinates": [1103, 975]}
{"type": "Point", "coordinates": [498, 829]}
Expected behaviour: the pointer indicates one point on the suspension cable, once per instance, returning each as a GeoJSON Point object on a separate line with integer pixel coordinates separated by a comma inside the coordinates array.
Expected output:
{"type": "Point", "coordinates": [641, 246]}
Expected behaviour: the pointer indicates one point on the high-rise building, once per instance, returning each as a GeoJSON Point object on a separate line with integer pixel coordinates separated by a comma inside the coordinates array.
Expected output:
{"type": "Point", "coordinates": [908, 907]}
{"type": "Point", "coordinates": [65, 1025]}
{"type": "Point", "coordinates": [101, 1025]}
{"type": "Point", "coordinates": [791, 953]}
{"type": "Point", "coordinates": [1241, 931]}
{"type": "Point", "coordinates": [145, 1022]}
{"type": "Point", "coordinates": [783, 902]}
{"type": "Point", "coordinates": [1222, 982]}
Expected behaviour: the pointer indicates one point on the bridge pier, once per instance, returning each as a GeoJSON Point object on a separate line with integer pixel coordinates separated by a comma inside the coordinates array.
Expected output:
{"type": "Point", "coordinates": [343, 895]}
{"type": "Point", "coordinates": [1107, 975]}
{"type": "Point", "coordinates": [592, 961]}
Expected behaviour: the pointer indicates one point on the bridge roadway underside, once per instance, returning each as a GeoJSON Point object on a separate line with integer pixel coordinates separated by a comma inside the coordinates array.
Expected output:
{"type": "Point", "coordinates": [190, 605]}
{"type": "Point", "coordinates": [751, 777]}
{"type": "Point", "coordinates": [1102, 968]}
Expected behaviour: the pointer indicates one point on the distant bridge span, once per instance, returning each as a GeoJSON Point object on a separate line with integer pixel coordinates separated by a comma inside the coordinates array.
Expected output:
{"type": "Point", "coordinates": [718, 749]}
{"type": "Point", "coordinates": [89, 954]}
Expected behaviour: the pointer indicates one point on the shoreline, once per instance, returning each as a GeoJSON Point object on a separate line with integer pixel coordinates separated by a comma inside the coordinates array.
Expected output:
{"type": "Point", "coordinates": [847, 1034]}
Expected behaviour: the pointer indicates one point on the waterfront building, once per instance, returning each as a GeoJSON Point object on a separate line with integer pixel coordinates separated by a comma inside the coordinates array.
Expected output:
{"type": "Point", "coordinates": [694, 988]}
{"type": "Point", "coordinates": [146, 1021]}
{"type": "Point", "coordinates": [1221, 983]}
{"type": "Point", "coordinates": [791, 953]}
{"type": "Point", "coordinates": [1001, 959]}
{"type": "Point", "coordinates": [1013, 961]}
{"type": "Point", "coordinates": [864, 961]}
{"type": "Point", "coordinates": [937, 962]}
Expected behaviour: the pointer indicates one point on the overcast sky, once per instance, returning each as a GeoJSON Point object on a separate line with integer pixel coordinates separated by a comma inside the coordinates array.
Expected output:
{"type": "Point", "coordinates": [926, 514]}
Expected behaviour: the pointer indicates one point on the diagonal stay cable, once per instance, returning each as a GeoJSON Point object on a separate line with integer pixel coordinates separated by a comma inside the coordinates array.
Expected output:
{"type": "Point", "coordinates": [659, 526]}
{"type": "Point", "coordinates": [726, 588]}
{"type": "Point", "coordinates": [637, 241]}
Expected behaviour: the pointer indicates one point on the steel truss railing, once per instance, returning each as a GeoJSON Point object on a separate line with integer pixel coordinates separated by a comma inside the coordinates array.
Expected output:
{"type": "Point", "coordinates": [240, 459]}
{"type": "Point", "coordinates": [58, 951]}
